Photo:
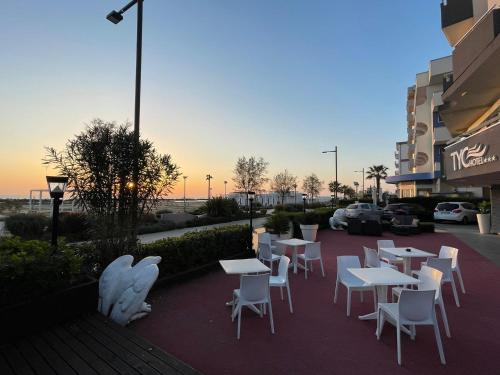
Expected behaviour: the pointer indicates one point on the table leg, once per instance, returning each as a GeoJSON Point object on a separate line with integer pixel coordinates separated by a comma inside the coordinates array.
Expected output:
{"type": "Point", "coordinates": [381, 298]}
{"type": "Point", "coordinates": [407, 265]}
{"type": "Point", "coordinates": [295, 259]}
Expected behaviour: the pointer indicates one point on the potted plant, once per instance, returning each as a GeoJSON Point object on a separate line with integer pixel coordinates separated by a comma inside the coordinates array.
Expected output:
{"type": "Point", "coordinates": [309, 226]}
{"type": "Point", "coordinates": [277, 225]}
{"type": "Point", "coordinates": [484, 217]}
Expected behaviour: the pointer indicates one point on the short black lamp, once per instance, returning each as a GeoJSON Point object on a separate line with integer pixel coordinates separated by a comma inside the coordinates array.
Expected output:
{"type": "Point", "coordinates": [333, 199]}
{"type": "Point", "coordinates": [57, 187]}
{"type": "Point", "coordinates": [304, 197]}
{"type": "Point", "coordinates": [251, 197]}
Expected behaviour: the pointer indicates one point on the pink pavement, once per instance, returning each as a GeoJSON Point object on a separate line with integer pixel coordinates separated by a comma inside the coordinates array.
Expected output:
{"type": "Point", "coordinates": [190, 320]}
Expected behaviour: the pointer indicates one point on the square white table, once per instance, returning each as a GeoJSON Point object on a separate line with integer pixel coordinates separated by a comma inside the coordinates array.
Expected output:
{"type": "Point", "coordinates": [403, 252]}
{"type": "Point", "coordinates": [294, 243]}
{"type": "Point", "coordinates": [381, 279]}
{"type": "Point", "coordinates": [243, 267]}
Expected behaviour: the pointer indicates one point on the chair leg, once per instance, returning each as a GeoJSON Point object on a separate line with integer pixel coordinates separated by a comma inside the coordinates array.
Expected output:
{"type": "Point", "coordinates": [439, 342]}
{"type": "Point", "coordinates": [379, 326]}
{"type": "Point", "coordinates": [311, 265]}
{"type": "Point", "coordinates": [374, 299]}
{"type": "Point", "coordinates": [232, 309]}
{"type": "Point", "coordinates": [271, 315]}
{"type": "Point", "coordinates": [281, 291]}
{"type": "Point", "coordinates": [361, 295]}
{"type": "Point", "coordinates": [289, 298]}
{"type": "Point", "coordinates": [413, 332]}
{"type": "Point", "coordinates": [239, 321]}
{"type": "Point", "coordinates": [322, 268]}
{"type": "Point", "coordinates": [305, 266]}
{"type": "Point", "coordinates": [336, 290]}
{"type": "Point", "coordinates": [398, 333]}
{"type": "Point", "coordinates": [455, 294]}
{"type": "Point", "coordinates": [445, 318]}
{"type": "Point", "coordinates": [348, 302]}
{"type": "Point", "coordinates": [459, 274]}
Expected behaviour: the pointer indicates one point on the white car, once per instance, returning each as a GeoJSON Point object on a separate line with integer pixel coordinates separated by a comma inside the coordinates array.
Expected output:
{"type": "Point", "coordinates": [363, 211]}
{"type": "Point", "coordinates": [462, 212]}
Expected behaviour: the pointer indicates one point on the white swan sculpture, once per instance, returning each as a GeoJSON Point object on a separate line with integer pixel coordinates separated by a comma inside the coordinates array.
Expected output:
{"type": "Point", "coordinates": [123, 288]}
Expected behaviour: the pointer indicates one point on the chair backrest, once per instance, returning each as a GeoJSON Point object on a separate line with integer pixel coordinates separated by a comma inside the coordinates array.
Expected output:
{"type": "Point", "coordinates": [283, 267]}
{"type": "Point", "coordinates": [343, 263]}
{"type": "Point", "coordinates": [265, 251]}
{"type": "Point", "coordinates": [264, 237]}
{"type": "Point", "coordinates": [371, 257]}
{"type": "Point", "coordinates": [313, 250]}
{"type": "Point", "coordinates": [385, 243]}
{"type": "Point", "coordinates": [443, 265]}
{"type": "Point", "coordinates": [254, 287]}
{"type": "Point", "coordinates": [430, 279]}
{"type": "Point", "coordinates": [449, 252]}
{"type": "Point", "coordinates": [416, 305]}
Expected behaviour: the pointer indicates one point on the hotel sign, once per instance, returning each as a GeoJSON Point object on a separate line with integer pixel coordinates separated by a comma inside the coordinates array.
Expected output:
{"type": "Point", "coordinates": [474, 156]}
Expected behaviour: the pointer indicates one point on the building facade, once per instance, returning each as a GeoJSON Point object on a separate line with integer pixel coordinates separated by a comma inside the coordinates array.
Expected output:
{"type": "Point", "coordinates": [471, 99]}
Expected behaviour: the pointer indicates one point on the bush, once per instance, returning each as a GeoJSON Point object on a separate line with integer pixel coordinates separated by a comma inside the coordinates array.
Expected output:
{"type": "Point", "coordinates": [32, 268]}
{"type": "Point", "coordinates": [309, 218]}
{"type": "Point", "coordinates": [222, 207]}
{"type": "Point", "coordinates": [27, 226]}
{"type": "Point", "coordinates": [74, 226]}
{"type": "Point", "coordinates": [197, 249]}
{"type": "Point", "coordinates": [278, 223]}
{"type": "Point", "coordinates": [484, 207]}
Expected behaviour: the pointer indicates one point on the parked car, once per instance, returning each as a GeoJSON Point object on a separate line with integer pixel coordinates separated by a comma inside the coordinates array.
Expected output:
{"type": "Point", "coordinates": [364, 211]}
{"type": "Point", "coordinates": [462, 212]}
{"type": "Point", "coordinates": [412, 209]}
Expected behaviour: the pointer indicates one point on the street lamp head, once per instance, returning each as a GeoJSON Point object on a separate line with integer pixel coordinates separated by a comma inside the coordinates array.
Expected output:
{"type": "Point", "coordinates": [57, 185]}
{"type": "Point", "coordinates": [304, 197]}
{"type": "Point", "coordinates": [251, 195]}
{"type": "Point", "coordinates": [114, 17]}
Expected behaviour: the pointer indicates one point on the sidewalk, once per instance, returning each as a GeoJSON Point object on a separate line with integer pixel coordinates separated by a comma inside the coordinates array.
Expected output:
{"type": "Point", "coordinates": [151, 237]}
{"type": "Point", "coordinates": [488, 245]}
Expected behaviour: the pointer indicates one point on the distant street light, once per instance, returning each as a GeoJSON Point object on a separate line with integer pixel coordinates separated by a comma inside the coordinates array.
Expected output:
{"type": "Point", "coordinates": [209, 177]}
{"type": "Point", "coordinates": [185, 178]}
{"type": "Point", "coordinates": [332, 199]}
{"type": "Point", "coordinates": [225, 189]}
{"type": "Point", "coordinates": [336, 180]}
{"type": "Point", "coordinates": [57, 187]}
{"type": "Point", "coordinates": [356, 184]}
{"type": "Point", "coordinates": [251, 197]}
{"type": "Point", "coordinates": [304, 197]}
{"type": "Point", "coordinates": [362, 182]}
{"type": "Point", "coordinates": [116, 17]}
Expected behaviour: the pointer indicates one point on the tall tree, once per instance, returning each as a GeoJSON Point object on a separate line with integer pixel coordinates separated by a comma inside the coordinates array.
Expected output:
{"type": "Point", "coordinates": [283, 183]}
{"type": "Point", "coordinates": [377, 172]}
{"type": "Point", "coordinates": [250, 174]}
{"type": "Point", "coordinates": [312, 185]}
{"type": "Point", "coordinates": [99, 164]}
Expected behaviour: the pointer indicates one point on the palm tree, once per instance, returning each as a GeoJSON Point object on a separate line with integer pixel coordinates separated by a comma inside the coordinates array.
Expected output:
{"type": "Point", "coordinates": [378, 172]}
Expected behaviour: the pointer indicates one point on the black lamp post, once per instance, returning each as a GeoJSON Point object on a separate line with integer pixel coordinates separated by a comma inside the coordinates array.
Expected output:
{"type": "Point", "coordinates": [57, 186]}
{"type": "Point", "coordinates": [336, 180]}
{"type": "Point", "coordinates": [251, 197]}
{"type": "Point", "coordinates": [304, 197]}
{"type": "Point", "coordinates": [332, 199]}
{"type": "Point", "coordinates": [116, 17]}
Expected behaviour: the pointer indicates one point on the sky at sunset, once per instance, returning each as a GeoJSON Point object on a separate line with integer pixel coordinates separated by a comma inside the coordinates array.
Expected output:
{"type": "Point", "coordinates": [281, 79]}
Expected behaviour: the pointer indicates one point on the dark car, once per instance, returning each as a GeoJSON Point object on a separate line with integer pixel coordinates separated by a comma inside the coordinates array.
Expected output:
{"type": "Point", "coordinates": [406, 209]}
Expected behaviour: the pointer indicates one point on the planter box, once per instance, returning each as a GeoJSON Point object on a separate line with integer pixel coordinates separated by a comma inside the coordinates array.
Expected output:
{"type": "Point", "coordinates": [309, 232]}
{"type": "Point", "coordinates": [41, 312]}
{"type": "Point", "coordinates": [484, 223]}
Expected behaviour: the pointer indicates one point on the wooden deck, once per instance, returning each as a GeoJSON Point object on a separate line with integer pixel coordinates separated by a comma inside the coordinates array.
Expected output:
{"type": "Point", "coordinates": [90, 345]}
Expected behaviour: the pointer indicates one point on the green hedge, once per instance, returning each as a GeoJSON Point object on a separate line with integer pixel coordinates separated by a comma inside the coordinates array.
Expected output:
{"type": "Point", "coordinates": [27, 226]}
{"type": "Point", "coordinates": [198, 249]}
{"type": "Point", "coordinates": [319, 216]}
{"type": "Point", "coordinates": [32, 268]}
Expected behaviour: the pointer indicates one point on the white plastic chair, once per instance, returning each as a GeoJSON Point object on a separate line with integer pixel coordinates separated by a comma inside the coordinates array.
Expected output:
{"type": "Point", "coordinates": [266, 255]}
{"type": "Point", "coordinates": [351, 282]}
{"type": "Point", "coordinates": [387, 257]}
{"type": "Point", "coordinates": [373, 261]}
{"type": "Point", "coordinates": [452, 252]}
{"type": "Point", "coordinates": [281, 280]}
{"type": "Point", "coordinates": [415, 307]}
{"type": "Point", "coordinates": [265, 237]}
{"type": "Point", "coordinates": [254, 290]}
{"type": "Point", "coordinates": [312, 252]}
{"type": "Point", "coordinates": [443, 265]}
{"type": "Point", "coordinates": [430, 279]}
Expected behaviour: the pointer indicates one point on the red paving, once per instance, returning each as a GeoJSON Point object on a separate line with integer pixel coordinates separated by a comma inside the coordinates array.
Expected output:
{"type": "Point", "coordinates": [190, 321]}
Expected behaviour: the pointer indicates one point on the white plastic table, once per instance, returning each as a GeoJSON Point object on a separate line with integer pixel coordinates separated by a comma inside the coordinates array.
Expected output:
{"type": "Point", "coordinates": [381, 278]}
{"type": "Point", "coordinates": [294, 243]}
{"type": "Point", "coordinates": [403, 252]}
{"type": "Point", "coordinates": [243, 267]}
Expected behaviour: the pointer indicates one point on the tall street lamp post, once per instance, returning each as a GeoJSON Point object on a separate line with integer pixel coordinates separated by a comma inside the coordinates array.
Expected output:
{"type": "Point", "coordinates": [304, 197]}
{"type": "Point", "coordinates": [336, 179]}
{"type": "Point", "coordinates": [116, 17]}
{"type": "Point", "coordinates": [362, 182]}
{"type": "Point", "coordinates": [57, 186]}
{"type": "Point", "coordinates": [332, 199]}
{"type": "Point", "coordinates": [209, 177]}
{"type": "Point", "coordinates": [225, 189]}
{"type": "Point", "coordinates": [185, 178]}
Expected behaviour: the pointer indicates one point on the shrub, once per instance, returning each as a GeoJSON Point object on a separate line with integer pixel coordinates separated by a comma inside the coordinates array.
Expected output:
{"type": "Point", "coordinates": [74, 226]}
{"type": "Point", "coordinates": [309, 218]}
{"type": "Point", "coordinates": [484, 207]}
{"type": "Point", "coordinates": [27, 226]}
{"type": "Point", "coordinates": [263, 211]}
{"type": "Point", "coordinates": [197, 249]}
{"type": "Point", "coordinates": [222, 207]}
{"type": "Point", "coordinates": [278, 223]}
{"type": "Point", "coordinates": [32, 268]}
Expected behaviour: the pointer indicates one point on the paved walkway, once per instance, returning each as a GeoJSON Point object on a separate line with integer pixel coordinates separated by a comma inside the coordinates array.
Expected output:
{"type": "Point", "coordinates": [151, 237]}
{"type": "Point", "coordinates": [488, 245]}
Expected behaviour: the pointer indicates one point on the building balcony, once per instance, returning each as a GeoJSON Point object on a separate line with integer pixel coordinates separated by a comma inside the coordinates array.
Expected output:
{"type": "Point", "coordinates": [476, 75]}
{"type": "Point", "coordinates": [421, 159]}
{"type": "Point", "coordinates": [438, 68]}
{"type": "Point", "coordinates": [441, 135]}
{"type": "Point", "coordinates": [421, 129]}
{"type": "Point", "coordinates": [457, 16]}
